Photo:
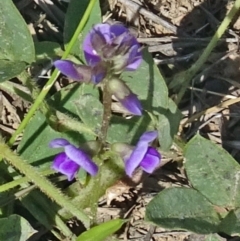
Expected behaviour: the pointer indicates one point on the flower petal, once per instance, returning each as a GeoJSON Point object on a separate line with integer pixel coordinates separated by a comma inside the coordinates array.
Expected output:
{"type": "Point", "coordinates": [148, 136]}
{"type": "Point", "coordinates": [65, 166]}
{"type": "Point", "coordinates": [69, 69]}
{"type": "Point", "coordinates": [69, 168]}
{"type": "Point", "coordinates": [58, 160]}
{"type": "Point", "coordinates": [117, 30]}
{"type": "Point", "coordinates": [90, 53]}
{"type": "Point", "coordinates": [132, 104]}
{"type": "Point", "coordinates": [139, 152]}
{"type": "Point", "coordinates": [124, 150]}
{"type": "Point", "coordinates": [151, 160]}
{"type": "Point", "coordinates": [136, 157]}
{"type": "Point", "coordinates": [58, 142]}
{"type": "Point", "coordinates": [82, 159]}
{"type": "Point", "coordinates": [134, 59]}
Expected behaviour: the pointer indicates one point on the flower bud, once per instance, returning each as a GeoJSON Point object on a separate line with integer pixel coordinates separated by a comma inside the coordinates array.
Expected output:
{"type": "Point", "coordinates": [91, 147]}
{"type": "Point", "coordinates": [125, 96]}
{"type": "Point", "coordinates": [122, 149]}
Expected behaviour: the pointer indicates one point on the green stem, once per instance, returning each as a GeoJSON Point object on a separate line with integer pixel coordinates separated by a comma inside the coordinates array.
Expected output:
{"type": "Point", "coordinates": [57, 120]}
{"type": "Point", "coordinates": [42, 183]}
{"type": "Point", "coordinates": [54, 76]}
{"type": "Point", "coordinates": [188, 75]}
{"type": "Point", "coordinates": [5, 187]}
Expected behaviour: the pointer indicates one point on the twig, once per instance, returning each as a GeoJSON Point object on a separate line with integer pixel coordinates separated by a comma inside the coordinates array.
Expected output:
{"type": "Point", "coordinates": [139, 9]}
{"type": "Point", "coordinates": [213, 93]}
{"type": "Point", "coordinates": [173, 60]}
{"type": "Point", "coordinates": [213, 109]}
{"type": "Point", "coordinates": [173, 46]}
{"type": "Point", "coordinates": [185, 39]}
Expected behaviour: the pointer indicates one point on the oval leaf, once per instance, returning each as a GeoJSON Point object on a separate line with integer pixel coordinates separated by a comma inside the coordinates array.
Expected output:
{"type": "Point", "coordinates": [231, 223]}
{"type": "Point", "coordinates": [15, 228]}
{"type": "Point", "coordinates": [167, 125]}
{"type": "Point", "coordinates": [183, 208]}
{"type": "Point", "coordinates": [10, 69]}
{"type": "Point", "coordinates": [213, 172]}
{"type": "Point", "coordinates": [148, 83]}
{"type": "Point", "coordinates": [16, 42]}
{"type": "Point", "coordinates": [102, 231]}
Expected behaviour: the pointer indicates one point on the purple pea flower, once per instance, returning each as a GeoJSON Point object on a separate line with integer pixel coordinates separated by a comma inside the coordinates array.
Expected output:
{"type": "Point", "coordinates": [82, 73]}
{"type": "Point", "coordinates": [143, 155]}
{"type": "Point", "coordinates": [69, 161]}
{"type": "Point", "coordinates": [114, 44]}
{"type": "Point", "coordinates": [125, 96]}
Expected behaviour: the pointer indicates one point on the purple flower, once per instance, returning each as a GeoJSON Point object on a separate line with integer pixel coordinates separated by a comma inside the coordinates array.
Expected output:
{"type": "Point", "coordinates": [69, 161]}
{"type": "Point", "coordinates": [125, 96]}
{"type": "Point", "coordinates": [80, 72]}
{"type": "Point", "coordinates": [74, 71]}
{"type": "Point", "coordinates": [113, 44]}
{"type": "Point", "coordinates": [143, 155]}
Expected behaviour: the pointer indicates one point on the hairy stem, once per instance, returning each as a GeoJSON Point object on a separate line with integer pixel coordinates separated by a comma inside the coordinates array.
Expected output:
{"type": "Point", "coordinates": [42, 183]}
{"type": "Point", "coordinates": [107, 113]}
{"type": "Point", "coordinates": [7, 186]}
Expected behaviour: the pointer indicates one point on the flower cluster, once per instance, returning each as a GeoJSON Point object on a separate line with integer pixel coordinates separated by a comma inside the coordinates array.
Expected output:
{"type": "Point", "coordinates": [72, 159]}
{"type": "Point", "coordinates": [109, 50]}
{"type": "Point", "coordinates": [69, 161]}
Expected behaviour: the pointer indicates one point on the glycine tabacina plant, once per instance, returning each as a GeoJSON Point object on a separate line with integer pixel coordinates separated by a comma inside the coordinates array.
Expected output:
{"type": "Point", "coordinates": [109, 51]}
{"type": "Point", "coordinates": [103, 129]}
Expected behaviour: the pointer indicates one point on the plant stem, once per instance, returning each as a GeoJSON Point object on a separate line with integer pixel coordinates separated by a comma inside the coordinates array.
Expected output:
{"type": "Point", "coordinates": [107, 113]}
{"type": "Point", "coordinates": [54, 76]}
{"type": "Point", "coordinates": [207, 51]}
{"type": "Point", "coordinates": [5, 187]}
{"type": "Point", "coordinates": [42, 183]}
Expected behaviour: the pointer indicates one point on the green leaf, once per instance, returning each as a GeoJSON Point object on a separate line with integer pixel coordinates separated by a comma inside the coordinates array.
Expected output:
{"type": "Point", "coordinates": [167, 126]}
{"type": "Point", "coordinates": [37, 135]}
{"type": "Point", "coordinates": [128, 130]}
{"type": "Point", "coordinates": [44, 211]}
{"type": "Point", "coordinates": [74, 14]}
{"type": "Point", "coordinates": [231, 223]}
{"type": "Point", "coordinates": [102, 231]}
{"type": "Point", "coordinates": [213, 172]}
{"type": "Point", "coordinates": [148, 83]}
{"type": "Point", "coordinates": [47, 50]}
{"type": "Point", "coordinates": [183, 208]}
{"type": "Point", "coordinates": [15, 228]}
{"type": "Point", "coordinates": [16, 43]}
{"type": "Point", "coordinates": [10, 69]}
{"type": "Point", "coordinates": [90, 110]}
